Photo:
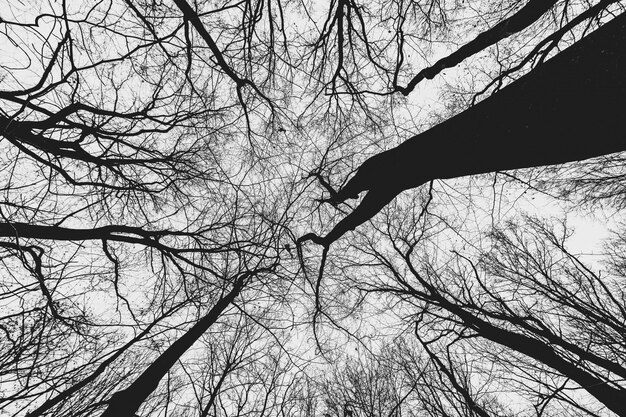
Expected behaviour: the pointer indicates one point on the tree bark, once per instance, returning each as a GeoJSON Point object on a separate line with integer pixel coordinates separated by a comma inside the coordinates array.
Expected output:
{"type": "Point", "coordinates": [571, 108]}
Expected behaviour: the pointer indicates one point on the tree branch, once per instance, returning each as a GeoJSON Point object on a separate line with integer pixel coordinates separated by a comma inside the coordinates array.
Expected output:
{"type": "Point", "coordinates": [526, 16]}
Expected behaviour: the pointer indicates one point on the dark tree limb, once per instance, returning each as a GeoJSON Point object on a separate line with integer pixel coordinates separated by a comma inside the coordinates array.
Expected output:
{"type": "Point", "coordinates": [120, 233]}
{"type": "Point", "coordinates": [459, 386]}
{"type": "Point", "coordinates": [547, 44]}
{"type": "Point", "coordinates": [525, 17]}
{"type": "Point", "coordinates": [613, 396]}
{"type": "Point", "coordinates": [19, 131]}
{"type": "Point", "coordinates": [571, 108]}
{"type": "Point", "coordinates": [192, 16]}
{"type": "Point", "coordinates": [67, 393]}
{"type": "Point", "coordinates": [125, 403]}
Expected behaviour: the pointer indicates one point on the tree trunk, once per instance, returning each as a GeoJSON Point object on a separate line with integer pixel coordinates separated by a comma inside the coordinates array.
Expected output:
{"type": "Point", "coordinates": [125, 403]}
{"type": "Point", "coordinates": [614, 399]}
{"type": "Point", "coordinates": [571, 108]}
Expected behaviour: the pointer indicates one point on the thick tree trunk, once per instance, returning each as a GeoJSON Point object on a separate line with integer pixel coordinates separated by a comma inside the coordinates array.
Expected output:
{"type": "Point", "coordinates": [571, 108]}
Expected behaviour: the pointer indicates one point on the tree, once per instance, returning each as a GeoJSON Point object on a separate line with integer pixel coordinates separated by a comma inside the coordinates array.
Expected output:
{"type": "Point", "coordinates": [162, 165]}
{"type": "Point", "coordinates": [546, 117]}
{"type": "Point", "coordinates": [541, 316]}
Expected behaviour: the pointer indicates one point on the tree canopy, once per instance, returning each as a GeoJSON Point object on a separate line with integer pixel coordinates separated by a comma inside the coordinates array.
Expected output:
{"type": "Point", "coordinates": [178, 234]}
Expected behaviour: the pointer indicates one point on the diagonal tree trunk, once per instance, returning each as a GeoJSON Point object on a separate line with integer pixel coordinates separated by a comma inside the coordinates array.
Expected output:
{"type": "Point", "coordinates": [125, 403]}
{"type": "Point", "coordinates": [613, 398]}
{"type": "Point", "coordinates": [571, 108]}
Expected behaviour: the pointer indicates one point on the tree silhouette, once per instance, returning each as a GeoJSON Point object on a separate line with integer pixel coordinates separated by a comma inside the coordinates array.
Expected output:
{"type": "Point", "coordinates": [160, 160]}
{"type": "Point", "coordinates": [546, 117]}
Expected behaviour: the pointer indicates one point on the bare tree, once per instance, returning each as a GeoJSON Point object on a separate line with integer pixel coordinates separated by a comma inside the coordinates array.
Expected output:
{"type": "Point", "coordinates": [162, 163]}
{"type": "Point", "coordinates": [526, 313]}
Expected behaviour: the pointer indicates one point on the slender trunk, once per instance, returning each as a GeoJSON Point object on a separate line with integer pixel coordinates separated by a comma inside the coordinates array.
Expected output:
{"type": "Point", "coordinates": [125, 403]}
{"type": "Point", "coordinates": [64, 395]}
{"type": "Point", "coordinates": [612, 398]}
